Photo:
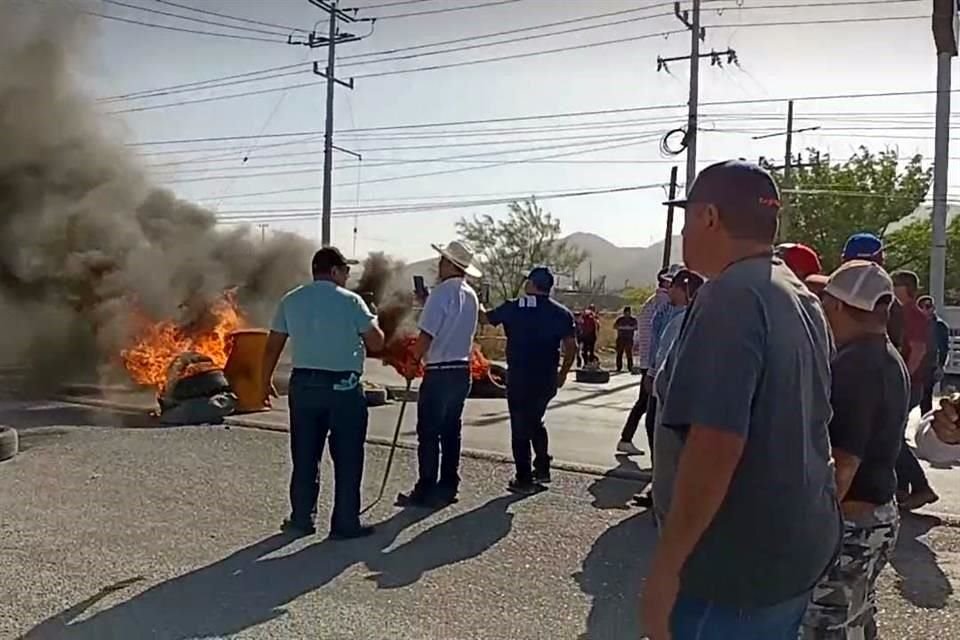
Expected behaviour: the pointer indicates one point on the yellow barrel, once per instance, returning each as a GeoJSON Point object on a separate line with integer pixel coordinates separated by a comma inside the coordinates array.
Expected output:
{"type": "Point", "coordinates": [244, 369]}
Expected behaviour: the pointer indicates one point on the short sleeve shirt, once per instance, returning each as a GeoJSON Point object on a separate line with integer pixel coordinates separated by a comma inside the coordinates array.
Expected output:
{"type": "Point", "coordinates": [450, 318]}
{"type": "Point", "coordinates": [626, 327]}
{"type": "Point", "coordinates": [870, 396]}
{"type": "Point", "coordinates": [325, 323]}
{"type": "Point", "coordinates": [535, 327]}
{"type": "Point", "coordinates": [753, 359]}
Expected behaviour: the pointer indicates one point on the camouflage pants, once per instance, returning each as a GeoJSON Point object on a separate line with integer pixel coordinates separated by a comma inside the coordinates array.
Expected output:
{"type": "Point", "coordinates": [844, 602]}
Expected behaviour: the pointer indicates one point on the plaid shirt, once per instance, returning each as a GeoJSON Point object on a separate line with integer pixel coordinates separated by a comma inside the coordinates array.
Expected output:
{"type": "Point", "coordinates": [653, 305]}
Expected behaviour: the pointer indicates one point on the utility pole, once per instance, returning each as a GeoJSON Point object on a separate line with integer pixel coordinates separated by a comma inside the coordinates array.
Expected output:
{"type": "Point", "coordinates": [697, 34]}
{"type": "Point", "coordinates": [668, 238]}
{"type": "Point", "coordinates": [263, 232]}
{"type": "Point", "coordinates": [788, 166]}
{"type": "Point", "coordinates": [945, 31]}
{"type": "Point", "coordinates": [333, 37]}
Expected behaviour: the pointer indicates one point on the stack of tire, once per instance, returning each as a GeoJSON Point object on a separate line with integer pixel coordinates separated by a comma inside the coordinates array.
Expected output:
{"type": "Point", "coordinates": [9, 443]}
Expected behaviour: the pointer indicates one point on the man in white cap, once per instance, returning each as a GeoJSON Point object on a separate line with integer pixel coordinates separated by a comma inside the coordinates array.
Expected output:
{"type": "Point", "coordinates": [447, 325]}
{"type": "Point", "coordinates": [869, 396]}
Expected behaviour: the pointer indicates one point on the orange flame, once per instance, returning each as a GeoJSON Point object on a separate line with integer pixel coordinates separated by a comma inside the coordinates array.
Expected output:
{"type": "Point", "coordinates": [159, 343]}
{"type": "Point", "coordinates": [399, 355]}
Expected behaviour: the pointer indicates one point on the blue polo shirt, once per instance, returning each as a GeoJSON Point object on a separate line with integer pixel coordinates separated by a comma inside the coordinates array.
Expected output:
{"type": "Point", "coordinates": [325, 323]}
{"type": "Point", "coordinates": [535, 327]}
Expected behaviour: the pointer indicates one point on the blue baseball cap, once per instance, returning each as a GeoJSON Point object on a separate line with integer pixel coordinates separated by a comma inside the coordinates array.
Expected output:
{"type": "Point", "coordinates": [734, 185]}
{"type": "Point", "coordinates": [863, 246]}
{"type": "Point", "coordinates": [541, 278]}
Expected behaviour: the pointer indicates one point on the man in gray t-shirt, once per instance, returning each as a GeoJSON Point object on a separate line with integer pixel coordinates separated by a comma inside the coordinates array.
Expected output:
{"type": "Point", "coordinates": [752, 520]}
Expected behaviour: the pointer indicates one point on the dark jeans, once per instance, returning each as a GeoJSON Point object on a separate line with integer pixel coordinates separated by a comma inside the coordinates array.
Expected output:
{"type": "Point", "coordinates": [926, 400]}
{"type": "Point", "coordinates": [696, 619]}
{"type": "Point", "coordinates": [650, 422]}
{"type": "Point", "coordinates": [625, 347]}
{"type": "Point", "coordinates": [910, 475]}
{"type": "Point", "coordinates": [326, 403]}
{"type": "Point", "coordinates": [588, 345]}
{"type": "Point", "coordinates": [439, 411]}
{"type": "Point", "coordinates": [633, 419]}
{"type": "Point", "coordinates": [527, 402]}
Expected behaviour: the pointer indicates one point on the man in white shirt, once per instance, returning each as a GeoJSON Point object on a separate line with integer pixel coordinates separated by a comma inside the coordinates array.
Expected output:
{"type": "Point", "coordinates": [447, 325]}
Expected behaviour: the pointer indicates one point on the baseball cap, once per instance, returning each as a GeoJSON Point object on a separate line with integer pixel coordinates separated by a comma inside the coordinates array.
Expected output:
{"type": "Point", "coordinates": [863, 246]}
{"type": "Point", "coordinates": [734, 185]}
{"type": "Point", "coordinates": [327, 258]}
{"type": "Point", "coordinates": [860, 284]}
{"type": "Point", "coordinates": [667, 275]}
{"type": "Point", "coordinates": [687, 278]}
{"type": "Point", "coordinates": [801, 259]}
{"type": "Point", "coordinates": [541, 278]}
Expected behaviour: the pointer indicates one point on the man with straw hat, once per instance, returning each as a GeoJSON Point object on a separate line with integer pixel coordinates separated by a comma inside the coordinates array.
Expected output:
{"type": "Point", "coordinates": [447, 326]}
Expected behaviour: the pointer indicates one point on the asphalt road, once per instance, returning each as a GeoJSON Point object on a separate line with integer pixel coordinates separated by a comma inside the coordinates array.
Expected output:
{"type": "Point", "coordinates": [110, 531]}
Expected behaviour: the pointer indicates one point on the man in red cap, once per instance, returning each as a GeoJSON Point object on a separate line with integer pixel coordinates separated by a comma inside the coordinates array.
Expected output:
{"type": "Point", "coordinates": [801, 259]}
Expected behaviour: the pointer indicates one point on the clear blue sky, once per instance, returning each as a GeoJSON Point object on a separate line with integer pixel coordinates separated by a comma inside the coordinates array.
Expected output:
{"type": "Point", "coordinates": [852, 56]}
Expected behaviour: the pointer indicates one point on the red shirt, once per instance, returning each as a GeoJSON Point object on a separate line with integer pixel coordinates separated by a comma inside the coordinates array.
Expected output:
{"type": "Point", "coordinates": [588, 324]}
{"type": "Point", "coordinates": [916, 328]}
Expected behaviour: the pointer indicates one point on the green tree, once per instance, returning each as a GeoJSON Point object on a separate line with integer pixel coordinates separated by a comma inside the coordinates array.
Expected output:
{"type": "Point", "coordinates": [909, 248]}
{"type": "Point", "coordinates": [509, 248]}
{"type": "Point", "coordinates": [829, 201]}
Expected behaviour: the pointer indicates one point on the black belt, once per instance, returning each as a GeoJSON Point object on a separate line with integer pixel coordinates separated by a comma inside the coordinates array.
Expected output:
{"type": "Point", "coordinates": [446, 366]}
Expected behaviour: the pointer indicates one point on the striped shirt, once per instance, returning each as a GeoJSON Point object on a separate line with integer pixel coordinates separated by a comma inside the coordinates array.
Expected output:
{"type": "Point", "coordinates": [659, 300]}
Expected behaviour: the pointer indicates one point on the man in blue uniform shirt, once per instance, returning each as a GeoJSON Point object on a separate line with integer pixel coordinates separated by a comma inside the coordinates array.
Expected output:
{"type": "Point", "coordinates": [536, 327]}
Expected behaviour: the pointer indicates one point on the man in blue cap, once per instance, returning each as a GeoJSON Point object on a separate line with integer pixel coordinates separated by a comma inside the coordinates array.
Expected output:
{"type": "Point", "coordinates": [536, 327]}
{"type": "Point", "coordinates": [866, 246]}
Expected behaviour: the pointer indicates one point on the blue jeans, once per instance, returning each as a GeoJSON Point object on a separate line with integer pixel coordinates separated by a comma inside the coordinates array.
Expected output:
{"type": "Point", "coordinates": [327, 403]}
{"type": "Point", "coordinates": [443, 393]}
{"type": "Point", "coordinates": [696, 619]}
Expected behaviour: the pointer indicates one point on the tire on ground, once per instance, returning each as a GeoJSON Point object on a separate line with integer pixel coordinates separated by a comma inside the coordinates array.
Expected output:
{"type": "Point", "coordinates": [202, 385]}
{"type": "Point", "coordinates": [376, 397]}
{"type": "Point", "coordinates": [9, 443]}
{"type": "Point", "coordinates": [593, 376]}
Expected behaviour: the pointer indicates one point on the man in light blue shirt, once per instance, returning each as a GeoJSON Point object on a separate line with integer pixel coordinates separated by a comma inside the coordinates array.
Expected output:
{"type": "Point", "coordinates": [447, 324]}
{"type": "Point", "coordinates": [331, 329]}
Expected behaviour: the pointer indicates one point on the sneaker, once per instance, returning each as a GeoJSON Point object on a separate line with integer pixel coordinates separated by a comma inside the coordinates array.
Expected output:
{"type": "Point", "coordinates": [627, 447]}
{"type": "Point", "coordinates": [359, 532]}
{"type": "Point", "coordinates": [443, 497]}
{"type": "Point", "coordinates": [542, 476]}
{"type": "Point", "coordinates": [919, 498]}
{"type": "Point", "coordinates": [297, 529]}
{"type": "Point", "coordinates": [524, 487]}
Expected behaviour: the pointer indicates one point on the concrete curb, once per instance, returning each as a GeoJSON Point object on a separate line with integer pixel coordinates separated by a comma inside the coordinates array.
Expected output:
{"type": "Point", "coordinates": [247, 422]}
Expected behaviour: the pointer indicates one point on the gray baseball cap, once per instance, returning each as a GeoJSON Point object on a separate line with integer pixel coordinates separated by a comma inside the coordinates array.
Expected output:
{"type": "Point", "coordinates": [734, 185]}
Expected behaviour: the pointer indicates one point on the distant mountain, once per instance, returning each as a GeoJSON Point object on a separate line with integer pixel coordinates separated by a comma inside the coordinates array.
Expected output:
{"type": "Point", "coordinates": [636, 266]}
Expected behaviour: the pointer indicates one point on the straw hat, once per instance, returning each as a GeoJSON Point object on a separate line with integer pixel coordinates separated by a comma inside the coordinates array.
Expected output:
{"type": "Point", "coordinates": [460, 255]}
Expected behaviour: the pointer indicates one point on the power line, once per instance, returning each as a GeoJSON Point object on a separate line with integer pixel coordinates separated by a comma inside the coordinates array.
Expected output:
{"type": "Point", "coordinates": [483, 5]}
{"type": "Point", "coordinates": [437, 173]}
{"type": "Point", "coordinates": [190, 18]}
{"type": "Point", "coordinates": [228, 16]}
{"type": "Point", "coordinates": [216, 82]}
{"type": "Point", "coordinates": [154, 25]}
{"type": "Point", "coordinates": [394, 4]}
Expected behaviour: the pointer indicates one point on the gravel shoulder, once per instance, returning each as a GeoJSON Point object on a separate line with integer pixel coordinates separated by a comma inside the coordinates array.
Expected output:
{"type": "Point", "coordinates": [123, 532]}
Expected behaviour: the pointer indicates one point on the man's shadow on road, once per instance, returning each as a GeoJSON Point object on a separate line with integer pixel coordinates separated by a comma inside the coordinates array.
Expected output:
{"type": "Point", "coordinates": [613, 574]}
{"type": "Point", "coordinates": [460, 538]}
{"type": "Point", "coordinates": [243, 590]}
{"type": "Point", "coordinates": [921, 580]}
{"type": "Point", "coordinates": [612, 490]}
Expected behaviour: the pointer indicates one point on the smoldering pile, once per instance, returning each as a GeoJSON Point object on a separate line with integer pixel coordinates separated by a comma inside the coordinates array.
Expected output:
{"type": "Point", "coordinates": [86, 241]}
{"type": "Point", "coordinates": [390, 301]}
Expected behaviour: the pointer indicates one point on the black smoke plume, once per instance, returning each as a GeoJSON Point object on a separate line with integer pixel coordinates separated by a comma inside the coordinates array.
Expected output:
{"type": "Point", "coordinates": [86, 239]}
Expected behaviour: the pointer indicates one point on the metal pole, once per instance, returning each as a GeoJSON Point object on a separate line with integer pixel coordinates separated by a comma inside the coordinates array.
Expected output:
{"type": "Point", "coordinates": [787, 171]}
{"type": "Point", "coordinates": [328, 132]}
{"type": "Point", "coordinates": [668, 237]}
{"type": "Point", "coordinates": [941, 161]}
{"type": "Point", "coordinates": [694, 96]}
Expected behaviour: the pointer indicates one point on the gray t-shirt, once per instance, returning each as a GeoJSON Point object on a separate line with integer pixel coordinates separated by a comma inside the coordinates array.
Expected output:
{"type": "Point", "coordinates": [753, 358]}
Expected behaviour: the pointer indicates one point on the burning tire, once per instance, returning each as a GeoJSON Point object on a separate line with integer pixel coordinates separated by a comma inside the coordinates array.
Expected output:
{"type": "Point", "coordinates": [9, 443]}
{"type": "Point", "coordinates": [494, 385]}
{"type": "Point", "coordinates": [201, 385]}
{"type": "Point", "coordinates": [593, 376]}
